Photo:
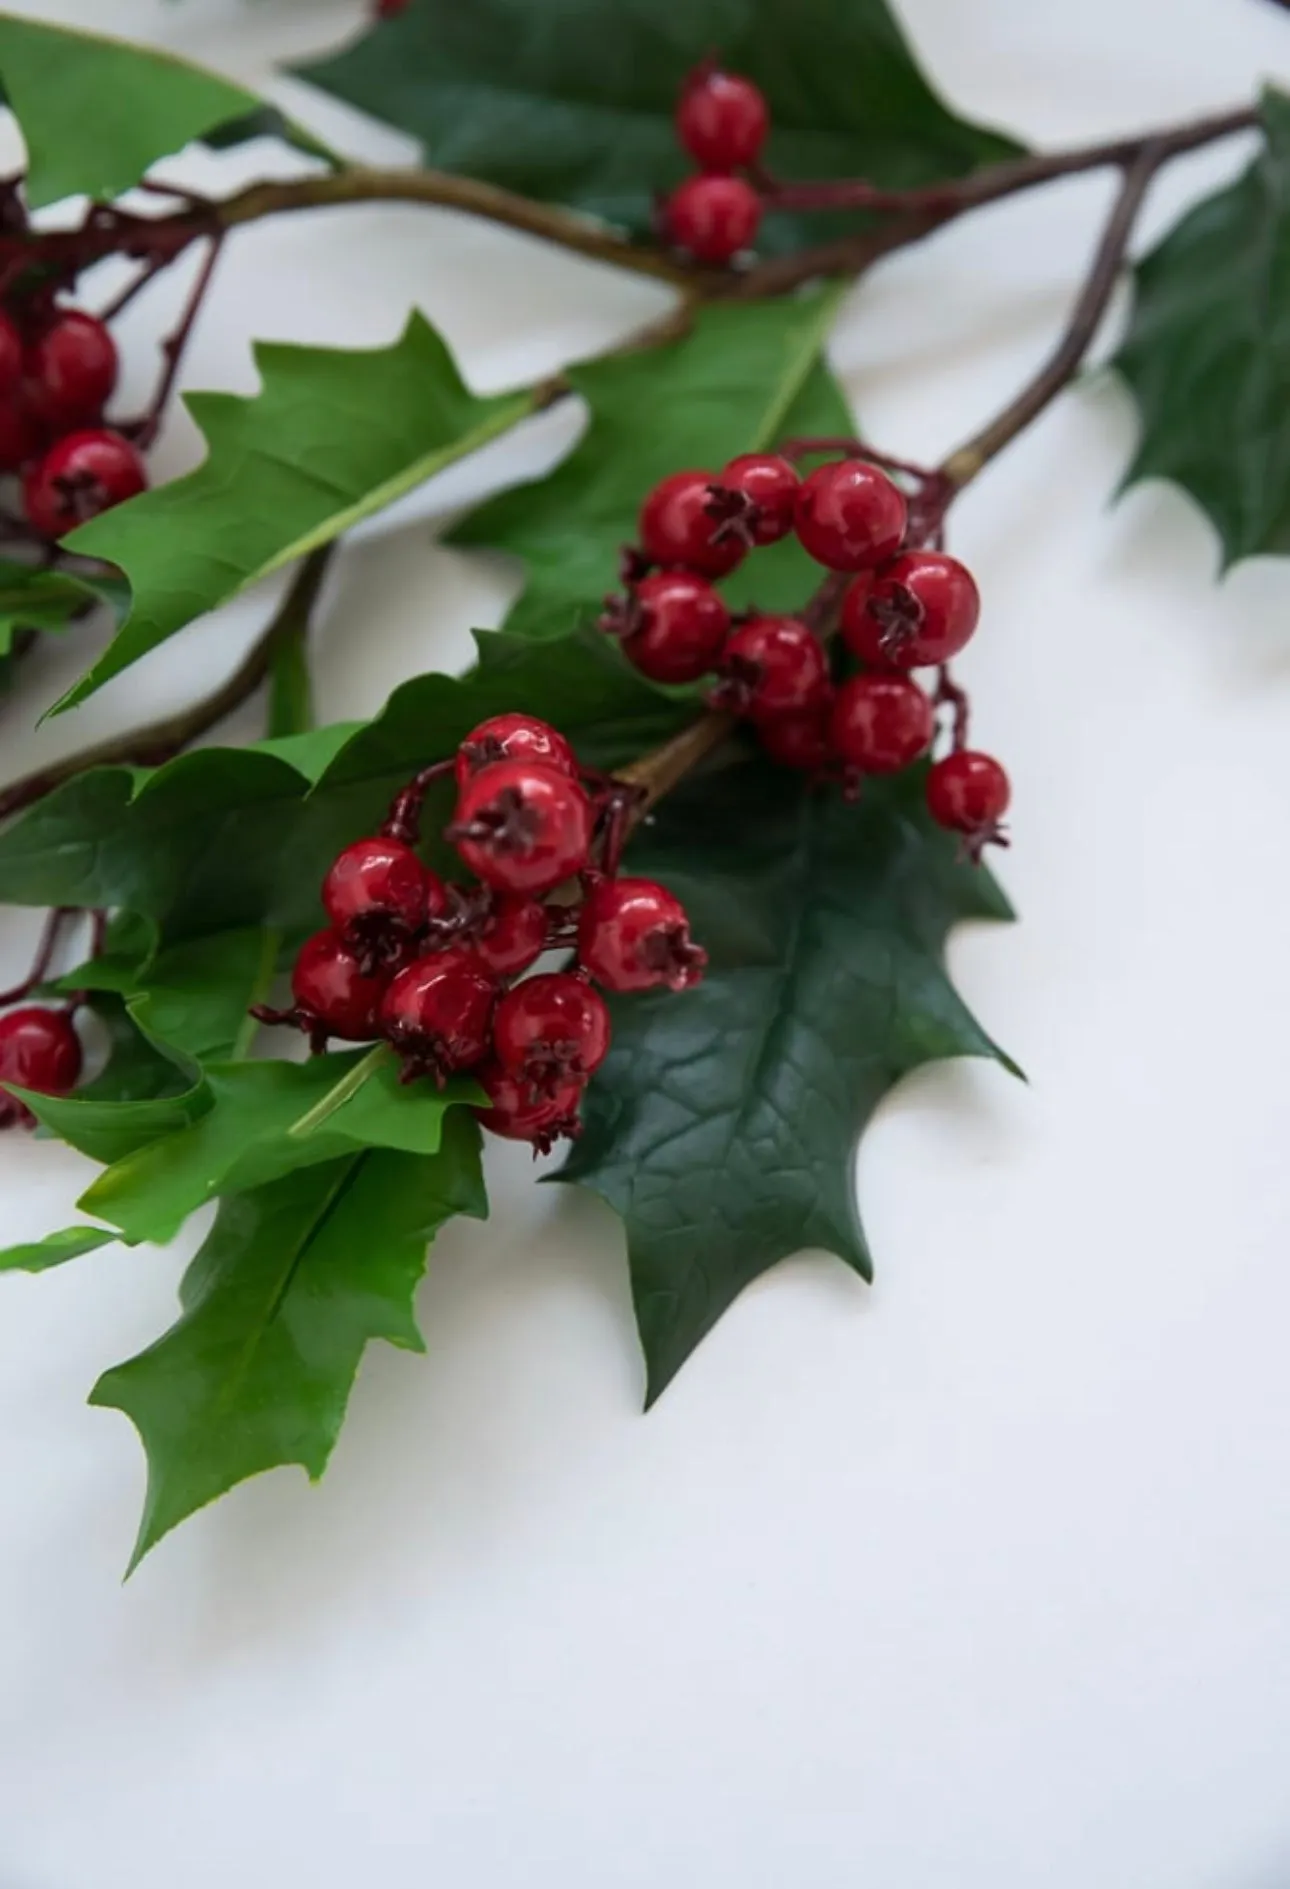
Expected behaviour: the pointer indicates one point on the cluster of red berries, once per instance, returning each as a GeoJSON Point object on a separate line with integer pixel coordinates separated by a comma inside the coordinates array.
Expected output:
{"type": "Point", "coordinates": [58, 370]}
{"type": "Point", "coordinates": [903, 609]}
{"type": "Point", "coordinates": [437, 970]}
{"type": "Point", "coordinates": [40, 1051]}
{"type": "Point", "coordinates": [721, 121]}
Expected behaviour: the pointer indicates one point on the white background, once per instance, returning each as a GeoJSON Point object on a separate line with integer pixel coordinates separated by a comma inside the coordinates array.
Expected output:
{"type": "Point", "coordinates": [978, 1578]}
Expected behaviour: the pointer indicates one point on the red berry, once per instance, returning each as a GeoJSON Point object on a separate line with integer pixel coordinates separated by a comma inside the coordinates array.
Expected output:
{"type": "Point", "coordinates": [437, 1013]}
{"type": "Point", "coordinates": [881, 723]}
{"type": "Point", "coordinates": [969, 793]}
{"type": "Point", "coordinates": [517, 1115]}
{"type": "Point", "coordinates": [677, 526]}
{"type": "Point", "coordinates": [21, 437]}
{"type": "Point", "coordinates": [722, 120]}
{"type": "Point", "coordinates": [80, 476]}
{"type": "Point", "coordinates": [633, 934]}
{"type": "Point", "coordinates": [521, 827]}
{"type": "Point", "coordinates": [800, 740]}
{"type": "Point", "coordinates": [676, 626]}
{"type": "Point", "coordinates": [850, 516]}
{"type": "Point", "coordinates": [39, 1050]}
{"type": "Point", "coordinates": [514, 738]}
{"type": "Point", "coordinates": [378, 896]}
{"type": "Point", "coordinates": [550, 1028]}
{"type": "Point", "coordinates": [918, 610]}
{"type": "Point", "coordinates": [11, 355]}
{"type": "Point", "coordinates": [71, 369]}
{"type": "Point", "coordinates": [773, 666]}
{"type": "Point", "coordinates": [755, 498]}
{"type": "Point", "coordinates": [513, 936]}
{"type": "Point", "coordinates": [334, 996]}
{"type": "Point", "coordinates": [713, 218]}
{"type": "Point", "coordinates": [390, 9]}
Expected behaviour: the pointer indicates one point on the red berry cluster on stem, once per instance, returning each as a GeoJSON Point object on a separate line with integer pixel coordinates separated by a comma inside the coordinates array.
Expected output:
{"type": "Point", "coordinates": [721, 122]}
{"type": "Point", "coordinates": [439, 969]}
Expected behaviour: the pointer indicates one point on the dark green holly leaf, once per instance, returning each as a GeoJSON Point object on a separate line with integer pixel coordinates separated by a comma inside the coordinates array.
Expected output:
{"type": "Point", "coordinates": [56, 1249]}
{"type": "Point", "coordinates": [37, 600]}
{"type": "Point", "coordinates": [335, 435]}
{"type": "Point", "coordinates": [111, 1125]}
{"type": "Point", "coordinates": [195, 996]}
{"type": "Point", "coordinates": [1208, 353]}
{"type": "Point", "coordinates": [724, 1124]}
{"type": "Point", "coordinates": [225, 838]}
{"type": "Point", "coordinates": [294, 1281]}
{"type": "Point", "coordinates": [257, 1129]}
{"type": "Point", "coordinates": [136, 1070]}
{"type": "Point", "coordinates": [749, 375]}
{"type": "Point", "coordinates": [96, 113]}
{"type": "Point", "coordinates": [575, 103]}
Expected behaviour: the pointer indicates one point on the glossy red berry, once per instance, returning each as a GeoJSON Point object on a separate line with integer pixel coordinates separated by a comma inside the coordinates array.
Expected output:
{"type": "Point", "coordinates": [521, 827]}
{"type": "Point", "coordinates": [334, 996]}
{"type": "Point", "coordinates": [437, 1013]}
{"type": "Point", "coordinates": [518, 1115]}
{"type": "Point", "coordinates": [800, 740]}
{"type": "Point", "coordinates": [675, 623]}
{"type": "Point", "coordinates": [919, 609]}
{"type": "Point", "coordinates": [722, 120]}
{"type": "Point", "coordinates": [755, 497]}
{"type": "Point", "coordinates": [39, 1050]}
{"type": "Point", "coordinates": [11, 356]}
{"type": "Point", "coordinates": [881, 723]}
{"type": "Point", "coordinates": [80, 476]}
{"type": "Point", "coordinates": [514, 738]}
{"type": "Point", "coordinates": [969, 793]}
{"type": "Point", "coordinates": [513, 936]}
{"type": "Point", "coordinates": [550, 1028]}
{"type": "Point", "coordinates": [21, 436]}
{"type": "Point", "coordinates": [378, 896]}
{"type": "Point", "coordinates": [677, 526]}
{"type": "Point", "coordinates": [633, 934]}
{"type": "Point", "coordinates": [850, 516]}
{"type": "Point", "coordinates": [713, 218]}
{"type": "Point", "coordinates": [71, 369]}
{"type": "Point", "coordinates": [773, 666]}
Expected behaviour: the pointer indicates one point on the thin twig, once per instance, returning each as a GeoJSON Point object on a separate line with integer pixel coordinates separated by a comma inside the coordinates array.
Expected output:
{"type": "Point", "coordinates": [161, 740]}
{"type": "Point", "coordinates": [172, 348]}
{"type": "Point", "coordinates": [45, 950]}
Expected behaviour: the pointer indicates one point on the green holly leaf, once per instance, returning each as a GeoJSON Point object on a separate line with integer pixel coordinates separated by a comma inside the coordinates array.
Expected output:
{"type": "Point", "coordinates": [723, 1126]}
{"type": "Point", "coordinates": [38, 600]}
{"type": "Point", "coordinates": [258, 1127]}
{"type": "Point", "coordinates": [56, 1249]}
{"type": "Point", "coordinates": [748, 376]}
{"type": "Point", "coordinates": [96, 113]}
{"type": "Point", "coordinates": [136, 1070]}
{"type": "Point", "coordinates": [294, 1281]}
{"type": "Point", "coordinates": [1208, 353]}
{"type": "Point", "coordinates": [334, 435]}
{"type": "Point", "coordinates": [575, 104]}
{"type": "Point", "coordinates": [195, 996]}
{"type": "Point", "coordinates": [108, 1123]}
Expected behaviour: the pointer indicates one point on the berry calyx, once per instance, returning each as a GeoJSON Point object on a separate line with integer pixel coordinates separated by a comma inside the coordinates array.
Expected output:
{"type": "Point", "coordinates": [850, 516]}
{"type": "Point", "coordinates": [969, 793]}
{"type": "Point", "coordinates": [514, 738]}
{"type": "Point", "coordinates": [881, 723]}
{"type": "Point", "coordinates": [11, 355]}
{"type": "Point", "coordinates": [713, 218]}
{"type": "Point", "coordinates": [551, 1028]}
{"type": "Point", "coordinates": [378, 896]}
{"type": "Point", "coordinates": [722, 120]}
{"type": "Point", "coordinates": [516, 1115]}
{"type": "Point", "coordinates": [513, 936]}
{"type": "Point", "coordinates": [39, 1050]}
{"type": "Point", "coordinates": [521, 827]}
{"type": "Point", "coordinates": [334, 995]}
{"type": "Point", "coordinates": [71, 369]}
{"type": "Point", "coordinates": [800, 740]}
{"type": "Point", "coordinates": [920, 609]}
{"type": "Point", "coordinates": [633, 934]}
{"type": "Point", "coordinates": [437, 1013]}
{"type": "Point", "coordinates": [673, 625]}
{"type": "Point", "coordinates": [676, 527]}
{"type": "Point", "coordinates": [81, 476]}
{"type": "Point", "coordinates": [772, 666]}
{"type": "Point", "coordinates": [754, 499]}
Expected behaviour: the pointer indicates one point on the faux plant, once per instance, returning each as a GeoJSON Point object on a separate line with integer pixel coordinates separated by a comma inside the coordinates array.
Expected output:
{"type": "Point", "coordinates": [669, 872]}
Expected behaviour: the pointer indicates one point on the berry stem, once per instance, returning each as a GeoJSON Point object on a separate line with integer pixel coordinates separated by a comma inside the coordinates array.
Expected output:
{"type": "Point", "coordinates": [48, 945]}
{"type": "Point", "coordinates": [173, 347]}
{"type": "Point", "coordinates": [949, 693]}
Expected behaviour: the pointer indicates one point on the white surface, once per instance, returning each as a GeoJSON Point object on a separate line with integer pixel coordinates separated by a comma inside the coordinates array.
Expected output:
{"type": "Point", "coordinates": [975, 1579]}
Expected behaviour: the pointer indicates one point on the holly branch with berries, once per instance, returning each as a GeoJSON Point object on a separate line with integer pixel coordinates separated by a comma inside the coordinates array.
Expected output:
{"type": "Point", "coordinates": [664, 879]}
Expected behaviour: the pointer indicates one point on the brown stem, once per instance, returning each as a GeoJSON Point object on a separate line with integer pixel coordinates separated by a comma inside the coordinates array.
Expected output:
{"type": "Point", "coordinates": [45, 950]}
{"type": "Point", "coordinates": [172, 348]}
{"type": "Point", "coordinates": [161, 740]}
